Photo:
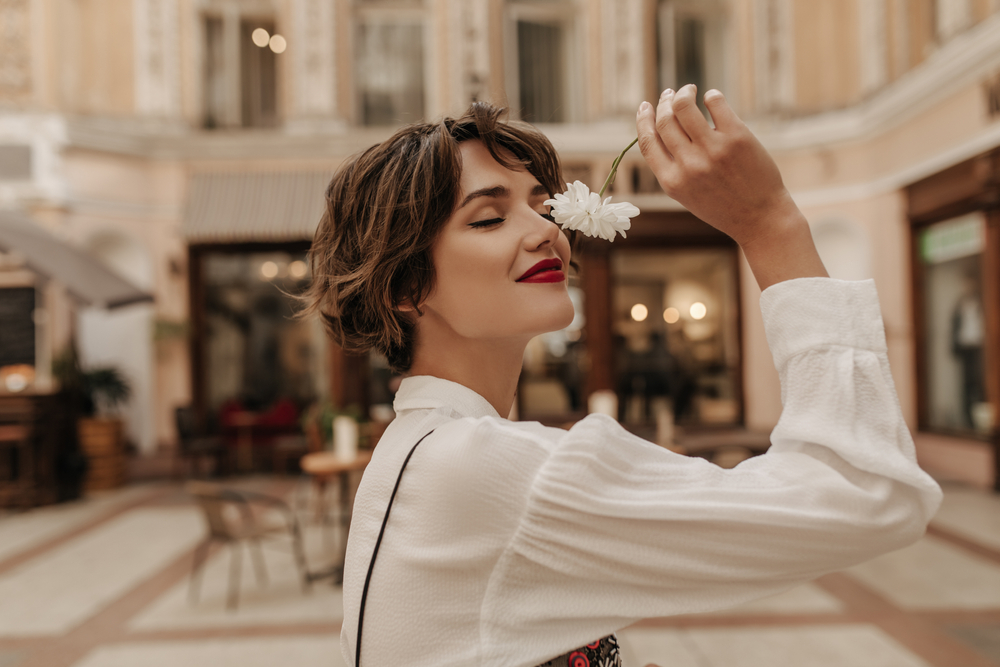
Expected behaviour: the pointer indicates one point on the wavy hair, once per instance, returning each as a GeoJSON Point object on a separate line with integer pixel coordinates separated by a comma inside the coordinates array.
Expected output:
{"type": "Point", "coordinates": [384, 209]}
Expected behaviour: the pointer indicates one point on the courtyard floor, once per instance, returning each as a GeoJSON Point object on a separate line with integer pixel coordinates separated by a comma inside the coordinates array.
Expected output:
{"type": "Point", "coordinates": [104, 582]}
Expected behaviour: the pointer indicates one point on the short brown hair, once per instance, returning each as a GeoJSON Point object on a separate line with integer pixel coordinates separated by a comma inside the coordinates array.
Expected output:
{"type": "Point", "coordinates": [384, 209]}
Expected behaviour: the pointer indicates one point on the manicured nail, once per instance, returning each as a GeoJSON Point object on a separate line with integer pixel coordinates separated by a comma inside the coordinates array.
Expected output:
{"type": "Point", "coordinates": [644, 107]}
{"type": "Point", "coordinates": [666, 93]}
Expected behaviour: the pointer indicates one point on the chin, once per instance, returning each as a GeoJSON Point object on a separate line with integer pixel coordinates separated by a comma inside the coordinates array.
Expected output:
{"type": "Point", "coordinates": [561, 317]}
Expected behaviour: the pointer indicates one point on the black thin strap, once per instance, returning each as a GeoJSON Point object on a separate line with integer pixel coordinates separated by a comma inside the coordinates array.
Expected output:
{"type": "Point", "coordinates": [378, 542]}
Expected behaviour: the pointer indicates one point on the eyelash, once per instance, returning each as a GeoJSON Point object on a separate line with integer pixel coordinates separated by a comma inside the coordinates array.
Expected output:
{"type": "Point", "coordinates": [496, 221]}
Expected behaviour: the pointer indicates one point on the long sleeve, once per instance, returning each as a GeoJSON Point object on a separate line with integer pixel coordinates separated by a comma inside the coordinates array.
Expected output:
{"type": "Point", "coordinates": [617, 529]}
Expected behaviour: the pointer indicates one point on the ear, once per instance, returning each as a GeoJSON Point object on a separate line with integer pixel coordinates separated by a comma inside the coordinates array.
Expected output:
{"type": "Point", "coordinates": [405, 305]}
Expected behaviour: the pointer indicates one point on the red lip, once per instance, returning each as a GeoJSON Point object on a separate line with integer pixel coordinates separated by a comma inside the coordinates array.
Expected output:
{"type": "Point", "coordinates": [547, 270]}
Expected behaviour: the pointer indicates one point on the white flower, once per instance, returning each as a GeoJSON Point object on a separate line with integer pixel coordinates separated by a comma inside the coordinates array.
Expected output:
{"type": "Point", "coordinates": [582, 210]}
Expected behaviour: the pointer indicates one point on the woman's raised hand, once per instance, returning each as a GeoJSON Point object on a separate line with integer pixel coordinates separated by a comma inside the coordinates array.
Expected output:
{"type": "Point", "coordinates": [724, 176]}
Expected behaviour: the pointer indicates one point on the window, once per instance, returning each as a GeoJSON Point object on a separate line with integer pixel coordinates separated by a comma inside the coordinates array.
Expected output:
{"type": "Point", "coordinates": [17, 338]}
{"type": "Point", "coordinates": [389, 72]}
{"type": "Point", "coordinates": [689, 45]}
{"type": "Point", "coordinates": [245, 95]}
{"type": "Point", "coordinates": [257, 358]}
{"type": "Point", "coordinates": [954, 325]}
{"type": "Point", "coordinates": [676, 328]}
{"type": "Point", "coordinates": [539, 85]}
{"type": "Point", "coordinates": [389, 62]}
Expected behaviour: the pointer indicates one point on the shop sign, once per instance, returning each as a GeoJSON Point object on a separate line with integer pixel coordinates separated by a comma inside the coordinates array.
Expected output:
{"type": "Point", "coordinates": [953, 239]}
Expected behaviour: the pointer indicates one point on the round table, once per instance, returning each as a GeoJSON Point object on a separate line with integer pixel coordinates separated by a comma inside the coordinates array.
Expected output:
{"type": "Point", "coordinates": [322, 467]}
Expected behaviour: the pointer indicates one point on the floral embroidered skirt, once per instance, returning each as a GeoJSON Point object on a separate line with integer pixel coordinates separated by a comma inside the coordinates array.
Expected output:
{"type": "Point", "coordinates": [602, 653]}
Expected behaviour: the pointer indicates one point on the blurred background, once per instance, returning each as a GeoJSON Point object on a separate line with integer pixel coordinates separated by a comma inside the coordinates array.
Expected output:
{"type": "Point", "coordinates": [162, 170]}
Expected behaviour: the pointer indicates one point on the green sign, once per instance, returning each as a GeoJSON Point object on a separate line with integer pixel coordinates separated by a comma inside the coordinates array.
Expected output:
{"type": "Point", "coordinates": [952, 239]}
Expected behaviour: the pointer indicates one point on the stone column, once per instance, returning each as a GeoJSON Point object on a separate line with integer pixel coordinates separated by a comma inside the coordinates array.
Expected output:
{"type": "Point", "coordinates": [873, 32]}
{"type": "Point", "coordinates": [469, 66]}
{"type": "Point", "coordinates": [623, 61]}
{"type": "Point", "coordinates": [312, 47]}
{"type": "Point", "coordinates": [774, 66]}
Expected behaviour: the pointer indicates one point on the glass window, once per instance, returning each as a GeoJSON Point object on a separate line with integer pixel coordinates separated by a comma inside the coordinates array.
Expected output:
{"type": "Point", "coordinates": [690, 45]}
{"type": "Point", "coordinates": [214, 92]}
{"type": "Point", "coordinates": [690, 51]}
{"type": "Point", "coordinates": [954, 327]}
{"type": "Point", "coordinates": [245, 97]}
{"type": "Point", "coordinates": [256, 355]}
{"type": "Point", "coordinates": [541, 71]}
{"type": "Point", "coordinates": [258, 77]}
{"type": "Point", "coordinates": [17, 338]}
{"type": "Point", "coordinates": [389, 71]}
{"type": "Point", "coordinates": [676, 337]}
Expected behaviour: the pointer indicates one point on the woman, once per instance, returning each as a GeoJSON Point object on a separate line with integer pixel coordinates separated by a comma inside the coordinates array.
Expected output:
{"type": "Point", "coordinates": [515, 544]}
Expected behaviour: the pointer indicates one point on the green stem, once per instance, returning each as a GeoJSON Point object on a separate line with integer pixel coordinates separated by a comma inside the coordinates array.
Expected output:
{"type": "Point", "coordinates": [614, 168]}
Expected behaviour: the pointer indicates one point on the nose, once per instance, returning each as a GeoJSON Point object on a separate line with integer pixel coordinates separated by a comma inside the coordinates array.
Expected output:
{"type": "Point", "coordinates": [541, 233]}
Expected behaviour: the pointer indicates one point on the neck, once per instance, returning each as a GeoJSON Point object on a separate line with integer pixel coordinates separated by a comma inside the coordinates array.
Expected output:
{"type": "Point", "coordinates": [490, 368]}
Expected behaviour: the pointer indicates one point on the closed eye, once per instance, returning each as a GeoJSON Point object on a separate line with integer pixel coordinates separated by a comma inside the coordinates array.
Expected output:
{"type": "Point", "coordinates": [486, 223]}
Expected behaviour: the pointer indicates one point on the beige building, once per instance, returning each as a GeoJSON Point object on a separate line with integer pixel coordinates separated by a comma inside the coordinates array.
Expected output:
{"type": "Point", "coordinates": [187, 143]}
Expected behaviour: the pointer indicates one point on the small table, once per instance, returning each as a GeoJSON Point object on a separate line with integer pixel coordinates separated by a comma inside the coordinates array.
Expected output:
{"type": "Point", "coordinates": [322, 467]}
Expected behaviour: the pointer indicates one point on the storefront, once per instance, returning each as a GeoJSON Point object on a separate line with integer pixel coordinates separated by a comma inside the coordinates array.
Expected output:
{"type": "Point", "coordinates": [255, 367]}
{"type": "Point", "coordinates": [955, 224]}
{"type": "Point", "coordinates": [658, 325]}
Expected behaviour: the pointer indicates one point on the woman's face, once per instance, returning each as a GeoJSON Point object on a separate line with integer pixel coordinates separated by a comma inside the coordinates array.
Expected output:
{"type": "Point", "coordinates": [488, 281]}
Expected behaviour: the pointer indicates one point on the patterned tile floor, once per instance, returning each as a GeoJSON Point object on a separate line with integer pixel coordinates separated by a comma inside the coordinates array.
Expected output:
{"type": "Point", "coordinates": [104, 583]}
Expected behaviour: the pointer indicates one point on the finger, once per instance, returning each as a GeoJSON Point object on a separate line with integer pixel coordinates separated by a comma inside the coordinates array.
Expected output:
{"type": "Point", "coordinates": [723, 116]}
{"type": "Point", "coordinates": [689, 115]}
{"type": "Point", "coordinates": [655, 153]}
{"type": "Point", "coordinates": [668, 128]}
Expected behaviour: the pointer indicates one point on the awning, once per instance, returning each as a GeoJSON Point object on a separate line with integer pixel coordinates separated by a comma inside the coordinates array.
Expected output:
{"type": "Point", "coordinates": [233, 207]}
{"type": "Point", "coordinates": [82, 274]}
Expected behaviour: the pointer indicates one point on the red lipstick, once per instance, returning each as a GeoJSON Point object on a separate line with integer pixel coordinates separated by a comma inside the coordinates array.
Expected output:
{"type": "Point", "coordinates": [546, 271]}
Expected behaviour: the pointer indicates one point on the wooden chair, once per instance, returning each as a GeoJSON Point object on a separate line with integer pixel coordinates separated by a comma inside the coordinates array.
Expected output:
{"type": "Point", "coordinates": [239, 526]}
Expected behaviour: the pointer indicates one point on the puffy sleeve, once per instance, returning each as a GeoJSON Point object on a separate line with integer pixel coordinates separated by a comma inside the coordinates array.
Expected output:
{"type": "Point", "coordinates": [618, 529]}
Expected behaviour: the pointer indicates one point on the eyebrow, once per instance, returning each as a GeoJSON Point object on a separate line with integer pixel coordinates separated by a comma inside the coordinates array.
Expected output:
{"type": "Point", "coordinates": [499, 192]}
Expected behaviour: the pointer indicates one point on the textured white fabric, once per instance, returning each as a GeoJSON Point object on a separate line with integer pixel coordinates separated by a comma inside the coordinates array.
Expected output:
{"type": "Point", "coordinates": [510, 542]}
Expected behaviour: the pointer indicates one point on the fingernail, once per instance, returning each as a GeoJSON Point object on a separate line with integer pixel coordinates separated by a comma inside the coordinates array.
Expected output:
{"type": "Point", "coordinates": [666, 93]}
{"type": "Point", "coordinates": [644, 107]}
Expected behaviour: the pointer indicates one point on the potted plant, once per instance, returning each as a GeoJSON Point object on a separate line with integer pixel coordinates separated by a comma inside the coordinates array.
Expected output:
{"type": "Point", "coordinates": [96, 394]}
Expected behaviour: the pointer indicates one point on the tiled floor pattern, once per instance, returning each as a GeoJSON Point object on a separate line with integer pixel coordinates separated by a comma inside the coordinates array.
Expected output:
{"type": "Point", "coordinates": [104, 583]}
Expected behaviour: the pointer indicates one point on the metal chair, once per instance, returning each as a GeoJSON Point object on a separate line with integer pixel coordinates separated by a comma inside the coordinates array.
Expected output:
{"type": "Point", "coordinates": [242, 525]}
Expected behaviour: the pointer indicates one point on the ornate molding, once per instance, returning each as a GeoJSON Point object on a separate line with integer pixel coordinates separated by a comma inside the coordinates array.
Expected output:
{"type": "Point", "coordinates": [157, 57]}
{"type": "Point", "coordinates": [965, 60]}
{"type": "Point", "coordinates": [15, 47]}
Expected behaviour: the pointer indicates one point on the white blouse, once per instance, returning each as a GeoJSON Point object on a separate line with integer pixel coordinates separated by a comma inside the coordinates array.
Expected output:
{"type": "Point", "coordinates": [510, 543]}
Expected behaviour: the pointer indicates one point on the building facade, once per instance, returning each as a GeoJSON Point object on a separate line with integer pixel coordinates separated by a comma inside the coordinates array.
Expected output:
{"type": "Point", "coordinates": [187, 144]}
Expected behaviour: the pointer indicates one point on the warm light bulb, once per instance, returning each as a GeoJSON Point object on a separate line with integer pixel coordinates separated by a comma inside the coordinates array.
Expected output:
{"type": "Point", "coordinates": [698, 310]}
{"type": "Point", "coordinates": [297, 269]}
{"type": "Point", "coordinates": [671, 315]}
{"type": "Point", "coordinates": [269, 270]}
{"type": "Point", "coordinates": [260, 37]}
{"type": "Point", "coordinates": [639, 312]}
{"type": "Point", "coordinates": [278, 44]}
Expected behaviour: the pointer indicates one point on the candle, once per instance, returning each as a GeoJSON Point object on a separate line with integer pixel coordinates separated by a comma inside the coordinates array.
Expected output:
{"type": "Point", "coordinates": [603, 402]}
{"type": "Point", "coordinates": [345, 438]}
